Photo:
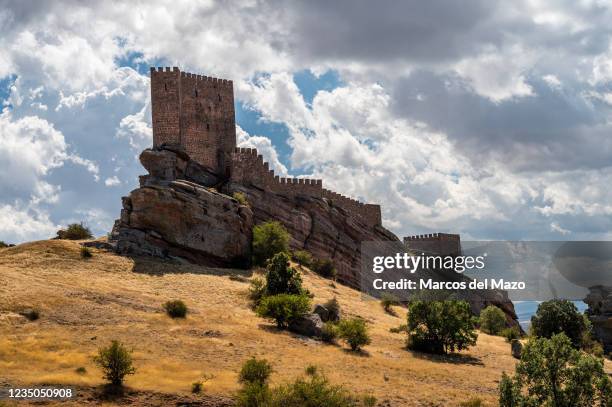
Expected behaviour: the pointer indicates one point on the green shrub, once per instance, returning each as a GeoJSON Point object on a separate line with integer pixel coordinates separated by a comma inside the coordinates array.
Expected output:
{"type": "Point", "coordinates": [511, 333]}
{"type": "Point", "coordinates": [269, 239]}
{"type": "Point", "coordinates": [313, 391]}
{"type": "Point", "coordinates": [369, 400]}
{"type": "Point", "coordinates": [257, 290]}
{"type": "Point", "coordinates": [302, 258]}
{"type": "Point", "coordinates": [329, 332]}
{"type": "Point", "coordinates": [311, 370]}
{"type": "Point", "coordinates": [86, 253]}
{"type": "Point", "coordinates": [333, 309]}
{"type": "Point", "coordinates": [283, 308]}
{"type": "Point", "coordinates": [492, 320]}
{"type": "Point", "coordinates": [255, 371]}
{"type": "Point", "coordinates": [241, 198]}
{"type": "Point", "coordinates": [387, 300]}
{"type": "Point", "coordinates": [197, 387]}
{"type": "Point", "coordinates": [473, 402]}
{"type": "Point", "coordinates": [440, 326]}
{"type": "Point", "coordinates": [253, 395]}
{"type": "Point", "coordinates": [115, 362]}
{"type": "Point", "coordinates": [176, 309]}
{"type": "Point", "coordinates": [553, 373]}
{"type": "Point", "coordinates": [280, 278]}
{"type": "Point", "coordinates": [74, 231]}
{"type": "Point", "coordinates": [80, 370]}
{"type": "Point", "coordinates": [324, 268]}
{"type": "Point", "coordinates": [354, 332]}
{"type": "Point", "coordinates": [556, 316]}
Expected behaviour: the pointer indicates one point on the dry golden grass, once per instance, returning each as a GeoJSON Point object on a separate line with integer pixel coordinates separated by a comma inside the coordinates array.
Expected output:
{"type": "Point", "coordinates": [84, 304]}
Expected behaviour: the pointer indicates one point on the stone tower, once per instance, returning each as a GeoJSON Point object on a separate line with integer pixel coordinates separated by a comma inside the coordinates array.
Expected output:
{"type": "Point", "coordinates": [197, 113]}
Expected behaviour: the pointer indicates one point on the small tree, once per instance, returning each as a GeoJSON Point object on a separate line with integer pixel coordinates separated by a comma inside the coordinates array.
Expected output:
{"type": "Point", "coordinates": [354, 332]}
{"type": "Point", "coordinates": [255, 371]}
{"type": "Point", "coordinates": [492, 320]}
{"type": "Point", "coordinates": [269, 239]}
{"type": "Point", "coordinates": [440, 326]}
{"type": "Point", "coordinates": [552, 373]}
{"type": "Point", "coordinates": [333, 309]}
{"type": "Point", "coordinates": [283, 308]}
{"type": "Point", "coordinates": [556, 316]}
{"type": "Point", "coordinates": [387, 300]}
{"type": "Point", "coordinates": [302, 258]}
{"type": "Point", "coordinates": [257, 290]}
{"type": "Point", "coordinates": [280, 278]}
{"type": "Point", "coordinates": [116, 362]}
{"type": "Point", "coordinates": [324, 268]}
{"type": "Point", "coordinates": [74, 231]}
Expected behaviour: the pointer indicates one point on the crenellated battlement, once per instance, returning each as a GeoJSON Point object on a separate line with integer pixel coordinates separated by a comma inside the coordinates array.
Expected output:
{"type": "Point", "coordinates": [439, 243]}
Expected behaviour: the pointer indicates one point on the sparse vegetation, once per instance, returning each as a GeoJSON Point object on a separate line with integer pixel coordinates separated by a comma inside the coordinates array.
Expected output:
{"type": "Point", "coordinates": [257, 290]}
{"type": "Point", "coordinates": [283, 308]}
{"type": "Point", "coordinates": [311, 370]}
{"type": "Point", "coordinates": [387, 300]}
{"type": "Point", "coordinates": [176, 309]}
{"type": "Point", "coordinates": [280, 278]}
{"type": "Point", "coordinates": [440, 326]}
{"type": "Point", "coordinates": [74, 231]}
{"type": "Point", "coordinates": [556, 316]}
{"type": "Point", "coordinates": [197, 387]}
{"type": "Point", "coordinates": [269, 238]}
{"type": "Point", "coordinates": [115, 362]}
{"type": "Point", "coordinates": [473, 402]}
{"type": "Point", "coordinates": [80, 370]}
{"type": "Point", "coordinates": [492, 320]}
{"type": "Point", "coordinates": [241, 198]}
{"type": "Point", "coordinates": [511, 333]}
{"type": "Point", "coordinates": [324, 268]}
{"type": "Point", "coordinates": [302, 258]}
{"type": "Point", "coordinates": [333, 308]}
{"type": "Point", "coordinates": [399, 329]}
{"type": "Point", "coordinates": [329, 332]}
{"type": "Point", "coordinates": [255, 371]}
{"type": "Point", "coordinates": [553, 373]}
{"type": "Point", "coordinates": [354, 332]}
{"type": "Point", "coordinates": [85, 252]}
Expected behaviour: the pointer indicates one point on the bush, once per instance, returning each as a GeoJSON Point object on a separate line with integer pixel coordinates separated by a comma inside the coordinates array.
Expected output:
{"type": "Point", "coordinates": [324, 268]}
{"type": "Point", "coordinates": [280, 278]}
{"type": "Point", "coordinates": [255, 371]}
{"type": "Point", "coordinates": [283, 308]}
{"type": "Point", "coordinates": [197, 387]}
{"type": "Point", "coordinates": [176, 309]}
{"type": "Point", "coordinates": [553, 373]}
{"type": "Point", "coordinates": [31, 314]}
{"type": "Point", "coordinates": [354, 332]}
{"type": "Point", "coordinates": [311, 370]}
{"type": "Point", "coordinates": [333, 309]}
{"type": "Point", "coordinates": [257, 290]}
{"type": "Point", "coordinates": [241, 198]}
{"type": "Point", "coordinates": [80, 370]}
{"type": "Point", "coordinates": [329, 332]}
{"type": "Point", "coordinates": [440, 326]}
{"type": "Point", "coordinates": [302, 258]}
{"type": "Point", "coordinates": [492, 320]}
{"type": "Point", "coordinates": [387, 300]}
{"type": "Point", "coordinates": [473, 402]}
{"type": "Point", "coordinates": [511, 333]}
{"type": "Point", "coordinates": [269, 239]}
{"type": "Point", "coordinates": [314, 391]}
{"type": "Point", "coordinates": [86, 253]}
{"type": "Point", "coordinates": [116, 362]}
{"type": "Point", "coordinates": [556, 316]}
{"type": "Point", "coordinates": [253, 395]}
{"type": "Point", "coordinates": [74, 231]}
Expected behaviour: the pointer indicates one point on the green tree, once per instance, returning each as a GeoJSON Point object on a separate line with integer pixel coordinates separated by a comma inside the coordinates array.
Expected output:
{"type": "Point", "coordinates": [492, 320]}
{"type": "Point", "coordinates": [556, 316]}
{"type": "Point", "coordinates": [552, 373]}
{"type": "Point", "coordinates": [283, 308]}
{"type": "Point", "coordinates": [440, 326]}
{"type": "Point", "coordinates": [302, 258]}
{"type": "Point", "coordinates": [354, 332]}
{"type": "Point", "coordinates": [255, 371]}
{"type": "Point", "coordinates": [324, 268]}
{"type": "Point", "coordinates": [280, 278]}
{"type": "Point", "coordinates": [74, 231]}
{"type": "Point", "coordinates": [269, 238]}
{"type": "Point", "coordinates": [116, 362]}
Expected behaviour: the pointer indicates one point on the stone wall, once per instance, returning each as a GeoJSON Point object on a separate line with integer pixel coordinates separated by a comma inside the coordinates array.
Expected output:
{"type": "Point", "coordinates": [248, 167]}
{"type": "Point", "coordinates": [438, 243]}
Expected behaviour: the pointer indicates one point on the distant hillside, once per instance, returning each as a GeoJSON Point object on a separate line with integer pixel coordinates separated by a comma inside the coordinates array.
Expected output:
{"type": "Point", "coordinates": [85, 303]}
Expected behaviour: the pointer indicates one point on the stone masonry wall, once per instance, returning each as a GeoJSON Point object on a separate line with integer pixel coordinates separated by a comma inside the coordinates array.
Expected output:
{"type": "Point", "coordinates": [439, 243]}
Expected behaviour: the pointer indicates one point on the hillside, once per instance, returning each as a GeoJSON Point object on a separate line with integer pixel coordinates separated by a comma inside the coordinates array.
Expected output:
{"type": "Point", "coordinates": [85, 303]}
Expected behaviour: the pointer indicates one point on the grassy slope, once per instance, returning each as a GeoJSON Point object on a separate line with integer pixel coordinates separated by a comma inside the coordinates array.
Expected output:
{"type": "Point", "coordinates": [86, 303]}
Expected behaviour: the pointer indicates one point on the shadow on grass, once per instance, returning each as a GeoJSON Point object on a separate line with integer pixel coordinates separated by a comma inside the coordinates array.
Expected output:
{"type": "Point", "coordinates": [159, 267]}
{"type": "Point", "coordinates": [454, 358]}
{"type": "Point", "coordinates": [360, 352]}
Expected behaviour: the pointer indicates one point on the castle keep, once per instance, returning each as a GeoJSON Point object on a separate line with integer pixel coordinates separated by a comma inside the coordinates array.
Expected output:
{"type": "Point", "coordinates": [197, 113]}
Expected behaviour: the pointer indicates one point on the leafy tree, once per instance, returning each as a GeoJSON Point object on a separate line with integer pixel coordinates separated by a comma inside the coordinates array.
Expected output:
{"type": "Point", "coordinates": [283, 308]}
{"type": "Point", "coordinates": [116, 362]}
{"type": "Point", "coordinates": [510, 333]}
{"type": "Point", "coordinates": [302, 258]}
{"type": "Point", "coordinates": [556, 316]}
{"type": "Point", "coordinates": [553, 373]}
{"type": "Point", "coordinates": [314, 391]}
{"type": "Point", "coordinates": [74, 231]}
{"type": "Point", "coordinates": [269, 238]}
{"type": "Point", "coordinates": [280, 278]}
{"type": "Point", "coordinates": [257, 290]}
{"type": "Point", "coordinates": [324, 268]}
{"type": "Point", "coordinates": [354, 332]}
{"type": "Point", "coordinates": [492, 320]}
{"type": "Point", "coordinates": [440, 326]}
{"type": "Point", "coordinates": [255, 371]}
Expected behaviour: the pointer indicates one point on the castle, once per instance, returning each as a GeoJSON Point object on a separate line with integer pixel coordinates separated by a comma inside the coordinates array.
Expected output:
{"type": "Point", "coordinates": [196, 113]}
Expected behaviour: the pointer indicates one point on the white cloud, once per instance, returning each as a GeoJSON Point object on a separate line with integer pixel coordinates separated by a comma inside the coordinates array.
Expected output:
{"type": "Point", "coordinates": [264, 147]}
{"type": "Point", "coordinates": [112, 181]}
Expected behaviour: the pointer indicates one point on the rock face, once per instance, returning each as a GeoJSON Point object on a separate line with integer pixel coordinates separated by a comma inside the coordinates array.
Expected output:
{"type": "Point", "coordinates": [599, 312]}
{"type": "Point", "coordinates": [308, 325]}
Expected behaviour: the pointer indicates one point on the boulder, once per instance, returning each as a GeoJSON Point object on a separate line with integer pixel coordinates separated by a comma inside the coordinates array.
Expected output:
{"type": "Point", "coordinates": [308, 325]}
{"type": "Point", "coordinates": [322, 312]}
{"type": "Point", "coordinates": [517, 348]}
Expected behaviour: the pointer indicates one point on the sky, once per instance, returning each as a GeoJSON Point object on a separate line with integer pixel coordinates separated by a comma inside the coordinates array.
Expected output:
{"type": "Point", "coordinates": [487, 118]}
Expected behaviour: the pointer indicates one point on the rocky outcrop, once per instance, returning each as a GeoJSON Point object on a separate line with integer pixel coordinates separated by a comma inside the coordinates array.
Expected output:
{"type": "Point", "coordinates": [308, 325]}
{"type": "Point", "coordinates": [599, 312]}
